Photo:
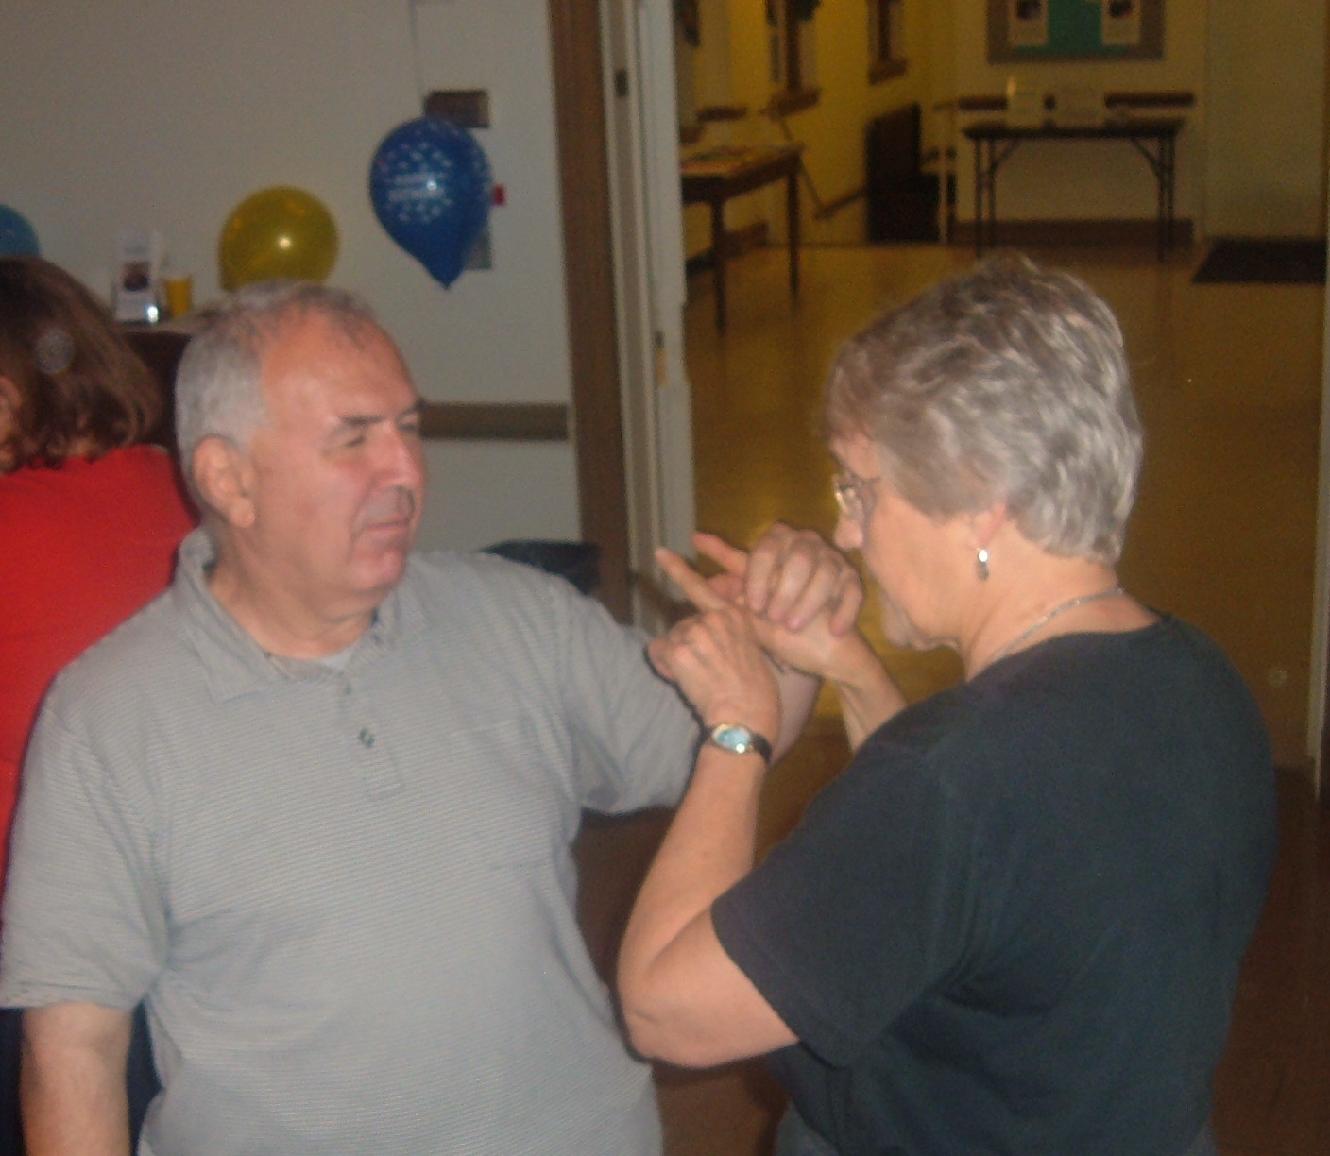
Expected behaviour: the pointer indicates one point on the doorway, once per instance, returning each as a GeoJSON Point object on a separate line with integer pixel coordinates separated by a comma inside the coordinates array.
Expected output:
{"type": "Point", "coordinates": [765, 372]}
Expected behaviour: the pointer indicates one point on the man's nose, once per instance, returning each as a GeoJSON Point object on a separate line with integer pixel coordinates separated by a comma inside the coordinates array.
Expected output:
{"type": "Point", "coordinates": [401, 457]}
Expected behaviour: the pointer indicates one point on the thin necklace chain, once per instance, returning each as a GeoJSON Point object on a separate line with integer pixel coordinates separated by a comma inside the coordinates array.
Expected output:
{"type": "Point", "coordinates": [1042, 621]}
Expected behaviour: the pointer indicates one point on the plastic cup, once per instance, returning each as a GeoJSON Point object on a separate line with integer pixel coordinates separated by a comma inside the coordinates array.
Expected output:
{"type": "Point", "coordinates": [178, 292]}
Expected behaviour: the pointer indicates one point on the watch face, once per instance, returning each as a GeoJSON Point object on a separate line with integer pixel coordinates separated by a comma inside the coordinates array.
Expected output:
{"type": "Point", "coordinates": [739, 740]}
{"type": "Point", "coordinates": [733, 738]}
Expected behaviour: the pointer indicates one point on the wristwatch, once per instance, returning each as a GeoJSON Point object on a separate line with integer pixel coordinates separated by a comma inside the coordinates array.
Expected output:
{"type": "Point", "coordinates": [739, 740]}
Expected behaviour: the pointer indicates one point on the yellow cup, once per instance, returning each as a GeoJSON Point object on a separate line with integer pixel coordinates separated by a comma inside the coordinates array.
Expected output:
{"type": "Point", "coordinates": [179, 294]}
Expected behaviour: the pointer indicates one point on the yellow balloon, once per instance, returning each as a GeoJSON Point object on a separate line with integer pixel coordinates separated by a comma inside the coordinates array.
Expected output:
{"type": "Point", "coordinates": [276, 233]}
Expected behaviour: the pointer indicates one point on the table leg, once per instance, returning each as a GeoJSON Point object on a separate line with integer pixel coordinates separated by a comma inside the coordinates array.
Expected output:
{"type": "Point", "coordinates": [978, 198]}
{"type": "Point", "coordinates": [718, 257]}
{"type": "Point", "coordinates": [991, 175]}
{"type": "Point", "coordinates": [948, 138]}
{"type": "Point", "coordinates": [792, 227]}
{"type": "Point", "coordinates": [1161, 197]}
{"type": "Point", "coordinates": [1168, 205]}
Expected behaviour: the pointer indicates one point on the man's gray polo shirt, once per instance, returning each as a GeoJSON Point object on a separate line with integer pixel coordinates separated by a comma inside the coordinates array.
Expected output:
{"type": "Point", "coordinates": [348, 895]}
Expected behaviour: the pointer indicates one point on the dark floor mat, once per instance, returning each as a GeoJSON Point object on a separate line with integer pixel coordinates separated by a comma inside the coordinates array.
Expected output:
{"type": "Point", "coordinates": [1289, 261]}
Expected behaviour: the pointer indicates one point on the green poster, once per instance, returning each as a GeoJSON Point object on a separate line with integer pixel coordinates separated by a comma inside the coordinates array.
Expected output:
{"type": "Point", "coordinates": [1074, 29]}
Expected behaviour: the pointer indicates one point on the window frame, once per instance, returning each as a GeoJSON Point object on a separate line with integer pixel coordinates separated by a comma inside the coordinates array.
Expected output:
{"type": "Point", "coordinates": [886, 19]}
{"type": "Point", "coordinates": [793, 90]}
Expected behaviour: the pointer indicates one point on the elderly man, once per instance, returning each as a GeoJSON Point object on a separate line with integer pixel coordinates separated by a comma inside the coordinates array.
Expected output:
{"type": "Point", "coordinates": [314, 804]}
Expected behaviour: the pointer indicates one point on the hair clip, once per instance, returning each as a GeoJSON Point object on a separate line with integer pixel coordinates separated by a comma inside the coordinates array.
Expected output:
{"type": "Point", "coordinates": [55, 351]}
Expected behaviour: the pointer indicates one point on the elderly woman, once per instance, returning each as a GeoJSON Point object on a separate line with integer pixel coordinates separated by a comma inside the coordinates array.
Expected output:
{"type": "Point", "coordinates": [1014, 923]}
{"type": "Point", "coordinates": [90, 518]}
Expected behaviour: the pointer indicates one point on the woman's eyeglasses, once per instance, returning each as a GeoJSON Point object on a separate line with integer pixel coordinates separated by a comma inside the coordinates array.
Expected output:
{"type": "Point", "coordinates": [853, 495]}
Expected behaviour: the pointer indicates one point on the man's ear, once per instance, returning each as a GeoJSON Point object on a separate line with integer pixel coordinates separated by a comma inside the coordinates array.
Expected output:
{"type": "Point", "coordinates": [225, 479]}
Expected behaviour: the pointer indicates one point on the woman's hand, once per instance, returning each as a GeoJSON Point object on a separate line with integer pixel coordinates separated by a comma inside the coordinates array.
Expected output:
{"type": "Point", "coordinates": [803, 595]}
{"type": "Point", "coordinates": [718, 664]}
{"type": "Point", "coordinates": [791, 577]}
{"type": "Point", "coordinates": [802, 598]}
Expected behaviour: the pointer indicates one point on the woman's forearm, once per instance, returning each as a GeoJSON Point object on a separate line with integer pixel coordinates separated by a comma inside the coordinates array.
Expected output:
{"type": "Point", "coordinates": [798, 693]}
{"type": "Point", "coordinates": [869, 696]}
{"type": "Point", "coordinates": [708, 848]}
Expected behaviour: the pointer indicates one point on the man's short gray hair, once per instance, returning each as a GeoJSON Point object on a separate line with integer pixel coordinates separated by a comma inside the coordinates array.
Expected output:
{"type": "Point", "coordinates": [219, 386]}
{"type": "Point", "coordinates": [1007, 383]}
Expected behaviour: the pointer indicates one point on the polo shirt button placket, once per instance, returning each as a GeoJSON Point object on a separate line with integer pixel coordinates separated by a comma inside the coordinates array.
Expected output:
{"type": "Point", "coordinates": [377, 768]}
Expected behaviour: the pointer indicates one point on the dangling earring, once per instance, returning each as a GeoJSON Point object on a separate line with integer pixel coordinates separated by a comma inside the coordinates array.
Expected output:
{"type": "Point", "coordinates": [982, 559]}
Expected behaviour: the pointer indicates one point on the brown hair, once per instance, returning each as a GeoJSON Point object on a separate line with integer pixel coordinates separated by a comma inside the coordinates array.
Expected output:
{"type": "Point", "coordinates": [81, 388]}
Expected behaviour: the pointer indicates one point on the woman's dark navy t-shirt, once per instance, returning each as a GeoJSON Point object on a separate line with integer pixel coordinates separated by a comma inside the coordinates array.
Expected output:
{"type": "Point", "coordinates": [1014, 924]}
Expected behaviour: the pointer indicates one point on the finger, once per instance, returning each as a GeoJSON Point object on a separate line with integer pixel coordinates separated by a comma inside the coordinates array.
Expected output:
{"type": "Point", "coordinates": [826, 591]}
{"type": "Point", "coordinates": [764, 560]}
{"type": "Point", "coordinates": [727, 628]}
{"type": "Point", "coordinates": [728, 587]}
{"type": "Point", "coordinates": [800, 586]}
{"type": "Point", "coordinates": [729, 558]}
{"type": "Point", "coordinates": [807, 580]}
{"type": "Point", "coordinates": [845, 615]}
{"type": "Point", "coordinates": [658, 654]}
{"type": "Point", "coordinates": [695, 587]}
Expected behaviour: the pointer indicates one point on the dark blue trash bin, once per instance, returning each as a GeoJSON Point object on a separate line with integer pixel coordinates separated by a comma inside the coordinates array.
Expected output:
{"type": "Point", "coordinates": [578, 562]}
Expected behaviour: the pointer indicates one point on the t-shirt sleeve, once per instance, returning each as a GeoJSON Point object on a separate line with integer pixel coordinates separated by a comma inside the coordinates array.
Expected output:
{"type": "Point", "coordinates": [636, 738]}
{"type": "Point", "coordinates": [866, 906]}
{"type": "Point", "coordinates": [83, 915]}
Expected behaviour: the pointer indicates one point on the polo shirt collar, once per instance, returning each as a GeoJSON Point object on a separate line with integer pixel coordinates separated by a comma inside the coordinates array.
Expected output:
{"type": "Point", "coordinates": [234, 663]}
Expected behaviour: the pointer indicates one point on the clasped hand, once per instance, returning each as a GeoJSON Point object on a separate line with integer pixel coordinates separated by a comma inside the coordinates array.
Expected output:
{"type": "Point", "coordinates": [793, 601]}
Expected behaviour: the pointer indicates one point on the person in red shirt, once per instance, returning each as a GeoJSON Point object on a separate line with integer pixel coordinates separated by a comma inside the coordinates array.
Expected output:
{"type": "Point", "coordinates": [90, 514]}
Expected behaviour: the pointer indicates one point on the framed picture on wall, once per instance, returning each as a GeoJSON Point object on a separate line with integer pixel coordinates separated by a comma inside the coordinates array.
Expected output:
{"type": "Point", "coordinates": [1121, 22]}
{"type": "Point", "coordinates": [1032, 30]}
{"type": "Point", "coordinates": [1027, 23]}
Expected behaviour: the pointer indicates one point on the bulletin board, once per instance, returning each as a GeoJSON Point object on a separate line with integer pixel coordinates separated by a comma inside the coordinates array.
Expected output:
{"type": "Point", "coordinates": [1075, 29]}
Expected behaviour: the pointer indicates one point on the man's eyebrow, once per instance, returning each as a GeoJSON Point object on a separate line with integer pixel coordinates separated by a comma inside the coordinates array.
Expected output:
{"type": "Point", "coordinates": [358, 421]}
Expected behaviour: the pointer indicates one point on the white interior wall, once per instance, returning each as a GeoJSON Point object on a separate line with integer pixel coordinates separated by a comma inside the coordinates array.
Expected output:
{"type": "Point", "coordinates": [1266, 136]}
{"type": "Point", "coordinates": [167, 113]}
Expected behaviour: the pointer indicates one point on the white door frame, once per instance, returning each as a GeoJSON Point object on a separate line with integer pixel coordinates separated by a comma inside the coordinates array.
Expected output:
{"type": "Point", "coordinates": [650, 286]}
{"type": "Point", "coordinates": [1317, 683]}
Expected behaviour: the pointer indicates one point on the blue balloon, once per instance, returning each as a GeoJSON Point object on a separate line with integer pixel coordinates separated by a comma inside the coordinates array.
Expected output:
{"type": "Point", "coordinates": [429, 183]}
{"type": "Point", "coordinates": [17, 237]}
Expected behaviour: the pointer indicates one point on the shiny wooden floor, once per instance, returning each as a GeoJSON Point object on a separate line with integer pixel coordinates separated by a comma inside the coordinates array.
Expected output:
{"type": "Point", "coordinates": [1227, 379]}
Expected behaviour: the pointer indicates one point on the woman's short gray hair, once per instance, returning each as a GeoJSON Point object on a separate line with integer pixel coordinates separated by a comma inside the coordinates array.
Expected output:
{"type": "Point", "coordinates": [1008, 383]}
{"type": "Point", "coordinates": [219, 385]}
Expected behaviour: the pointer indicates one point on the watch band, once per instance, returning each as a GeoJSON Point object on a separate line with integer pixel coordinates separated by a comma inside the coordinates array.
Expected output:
{"type": "Point", "coordinates": [737, 739]}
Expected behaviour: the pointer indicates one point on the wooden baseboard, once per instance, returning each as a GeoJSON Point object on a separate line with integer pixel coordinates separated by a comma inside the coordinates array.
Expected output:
{"type": "Point", "coordinates": [1017, 234]}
